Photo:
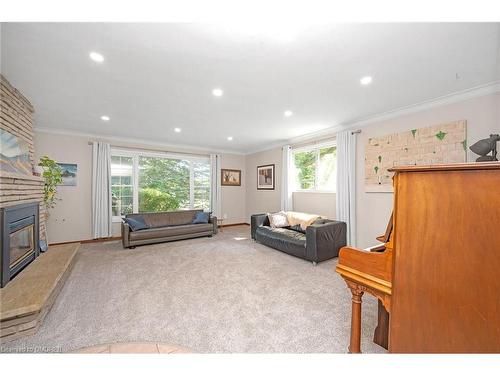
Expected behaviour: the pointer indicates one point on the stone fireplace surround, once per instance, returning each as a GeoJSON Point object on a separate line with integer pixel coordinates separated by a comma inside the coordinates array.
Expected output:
{"type": "Point", "coordinates": [16, 117]}
{"type": "Point", "coordinates": [27, 298]}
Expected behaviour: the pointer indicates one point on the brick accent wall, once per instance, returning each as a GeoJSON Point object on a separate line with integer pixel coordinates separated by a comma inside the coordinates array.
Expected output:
{"type": "Point", "coordinates": [16, 117]}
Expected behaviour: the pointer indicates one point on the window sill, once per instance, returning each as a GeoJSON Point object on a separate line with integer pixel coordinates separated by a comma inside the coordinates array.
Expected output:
{"type": "Point", "coordinates": [315, 191]}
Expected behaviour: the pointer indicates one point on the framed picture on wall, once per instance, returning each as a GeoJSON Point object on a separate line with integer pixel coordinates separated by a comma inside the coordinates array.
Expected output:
{"type": "Point", "coordinates": [68, 172]}
{"type": "Point", "coordinates": [230, 177]}
{"type": "Point", "coordinates": [265, 177]}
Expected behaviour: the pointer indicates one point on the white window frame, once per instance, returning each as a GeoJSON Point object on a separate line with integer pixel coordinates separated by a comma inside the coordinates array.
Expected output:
{"type": "Point", "coordinates": [314, 147]}
{"type": "Point", "coordinates": [135, 154]}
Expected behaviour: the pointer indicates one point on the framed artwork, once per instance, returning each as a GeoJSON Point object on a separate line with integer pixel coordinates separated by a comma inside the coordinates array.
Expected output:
{"type": "Point", "coordinates": [68, 174]}
{"type": "Point", "coordinates": [230, 177]}
{"type": "Point", "coordinates": [265, 177]}
{"type": "Point", "coordinates": [14, 154]}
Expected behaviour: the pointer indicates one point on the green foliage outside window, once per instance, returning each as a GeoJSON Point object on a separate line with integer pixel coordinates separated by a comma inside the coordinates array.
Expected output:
{"type": "Point", "coordinates": [164, 184]}
{"type": "Point", "coordinates": [305, 165]}
{"type": "Point", "coordinates": [315, 169]}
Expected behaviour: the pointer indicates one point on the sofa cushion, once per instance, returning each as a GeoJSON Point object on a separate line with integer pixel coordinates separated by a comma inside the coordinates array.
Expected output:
{"type": "Point", "coordinates": [297, 228]}
{"type": "Point", "coordinates": [283, 239]}
{"type": "Point", "coordinates": [177, 230]}
{"type": "Point", "coordinates": [136, 223]}
{"type": "Point", "coordinates": [163, 219]}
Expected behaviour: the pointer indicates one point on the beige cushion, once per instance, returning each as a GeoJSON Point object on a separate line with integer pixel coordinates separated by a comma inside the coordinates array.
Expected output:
{"type": "Point", "coordinates": [278, 219]}
{"type": "Point", "coordinates": [302, 219]}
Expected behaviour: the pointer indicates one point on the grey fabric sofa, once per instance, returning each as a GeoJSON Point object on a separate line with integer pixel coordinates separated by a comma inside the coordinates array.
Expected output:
{"type": "Point", "coordinates": [320, 241]}
{"type": "Point", "coordinates": [167, 226]}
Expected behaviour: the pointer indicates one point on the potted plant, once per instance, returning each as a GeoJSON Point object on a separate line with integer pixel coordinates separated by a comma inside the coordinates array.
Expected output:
{"type": "Point", "coordinates": [53, 176]}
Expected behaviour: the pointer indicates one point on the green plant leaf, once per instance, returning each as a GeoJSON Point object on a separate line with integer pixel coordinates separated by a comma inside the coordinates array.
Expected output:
{"type": "Point", "coordinates": [413, 132]}
{"type": "Point", "coordinates": [464, 144]}
{"type": "Point", "coordinates": [376, 169]}
{"type": "Point", "coordinates": [440, 135]}
{"type": "Point", "coordinates": [52, 175]}
{"type": "Point", "coordinates": [380, 159]}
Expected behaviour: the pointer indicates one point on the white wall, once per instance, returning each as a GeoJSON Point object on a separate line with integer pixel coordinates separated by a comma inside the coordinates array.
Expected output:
{"type": "Point", "coordinates": [262, 201]}
{"type": "Point", "coordinates": [374, 209]}
{"type": "Point", "coordinates": [318, 203]}
{"type": "Point", "coordinates": [70, 220]}
{"type": "Point", "coordinates": [233, 197]}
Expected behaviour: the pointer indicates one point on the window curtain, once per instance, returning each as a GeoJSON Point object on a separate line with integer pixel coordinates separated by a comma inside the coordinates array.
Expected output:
{"type": "Point", "coordinates": [346, 183]}
{"type": "Point", "coordinates": [102, 219]}
{"type": "Point", "coordinates": [287, 179]}
{"type": "Point", "coordinates": [215, 191]}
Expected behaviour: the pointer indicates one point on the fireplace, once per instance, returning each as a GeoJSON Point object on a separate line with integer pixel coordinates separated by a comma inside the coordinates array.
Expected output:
{"type": "Point", "coordinates": [19, 239]}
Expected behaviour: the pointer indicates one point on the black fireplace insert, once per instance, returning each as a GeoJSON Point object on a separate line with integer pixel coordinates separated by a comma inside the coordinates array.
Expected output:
{"type": "Point", "coordinates": [19, 239]}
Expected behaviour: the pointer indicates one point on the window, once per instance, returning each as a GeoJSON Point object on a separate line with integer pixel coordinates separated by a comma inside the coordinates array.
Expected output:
{"type": "Point", "coordinates": [201, 188]}
{"type": "Point", "coordinates": [315, 168]}
{"type": "Point", "coordinates": [121, 185]}
{"type": "Point", "coordinates": [142, 181]}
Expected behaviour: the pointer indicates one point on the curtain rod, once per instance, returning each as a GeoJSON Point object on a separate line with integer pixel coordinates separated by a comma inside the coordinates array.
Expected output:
{"type": "Point", "coordinates": [356, 132]}
{"type": "Point", "coordinates": [155, 150]}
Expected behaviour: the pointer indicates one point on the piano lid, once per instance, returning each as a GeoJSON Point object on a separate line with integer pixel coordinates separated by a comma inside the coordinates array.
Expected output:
{"type": "Point", "coordinates": [446, 167]}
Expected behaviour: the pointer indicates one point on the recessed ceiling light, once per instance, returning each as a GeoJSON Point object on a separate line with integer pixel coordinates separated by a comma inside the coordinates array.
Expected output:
{"type": "Point", "coordinates": [97, 57]}
{"type": "Point", "coordinates": [288, 113]}
{"type": "Point", "coordinates": [105, 118]}
{"type": "Point", "coordinates": [177, 130]}
{"type": "Point", "coordinates": [229, 138]}
{"type": "Point", "coordinates": [217, 92]}
{"type": "Point", "coordinates": [366, 80]}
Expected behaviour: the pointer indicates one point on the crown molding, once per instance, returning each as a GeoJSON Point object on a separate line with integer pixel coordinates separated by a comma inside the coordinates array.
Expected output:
{"type": "Point", "coordinates": [456, 97]}
{"type": "Point", "coordinates": [135, 141]}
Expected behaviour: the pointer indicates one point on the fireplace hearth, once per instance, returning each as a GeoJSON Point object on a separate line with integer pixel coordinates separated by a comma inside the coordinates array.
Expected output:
{"type": "Point", "coordinates": [19, 239]}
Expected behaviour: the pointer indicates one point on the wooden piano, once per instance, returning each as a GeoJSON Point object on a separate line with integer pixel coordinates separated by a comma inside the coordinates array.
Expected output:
{"type": "Point", "coordinates": [437, 275]}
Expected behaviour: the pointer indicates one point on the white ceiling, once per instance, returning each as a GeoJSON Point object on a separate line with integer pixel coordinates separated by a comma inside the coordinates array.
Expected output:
{"type": "Point", "coordinates": [156, 77]}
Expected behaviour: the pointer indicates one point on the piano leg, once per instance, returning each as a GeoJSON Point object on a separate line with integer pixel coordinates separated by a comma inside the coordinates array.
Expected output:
{"type": "Point", "coordinates": [355, 344]}
{"type": "Point", "coordinates": [381, 336]}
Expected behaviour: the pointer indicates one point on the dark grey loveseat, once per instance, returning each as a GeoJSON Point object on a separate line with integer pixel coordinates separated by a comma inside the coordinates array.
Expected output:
{"type": "Point", "coordinates": [320, 241]}
{"type": "Point", "coordinates": [167, 226]}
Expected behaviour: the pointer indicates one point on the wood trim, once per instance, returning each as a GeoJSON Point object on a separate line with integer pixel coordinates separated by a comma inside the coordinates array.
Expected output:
{"type": "Point", "coordinates": [447, 167]}
{"type": "Point", "coordinates": [88, 241]}
{"type": "Point", "coordinates": [232, 225]}
{"type": "Point", "coordinates": [108, 239]}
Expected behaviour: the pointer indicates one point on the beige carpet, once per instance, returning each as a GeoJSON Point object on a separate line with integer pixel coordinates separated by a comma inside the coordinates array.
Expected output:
{"type": "Point", "coordinates": [212, 295]}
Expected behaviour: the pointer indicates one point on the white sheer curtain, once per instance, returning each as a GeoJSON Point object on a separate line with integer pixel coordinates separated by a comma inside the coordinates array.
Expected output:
{"type": "Point", "coordinates": [287, 179]}
{"type": "Point", "coordinates": [215, 190]}
{"type": "Point", "coordinates": [102, 219]}
{"type": "Point", "coordinates": [346, 183]}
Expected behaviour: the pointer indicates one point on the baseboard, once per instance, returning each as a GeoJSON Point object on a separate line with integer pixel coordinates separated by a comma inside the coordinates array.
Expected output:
{"type": "Point", "coordinates": [232, 225]}
{"type": "Point", "coordinates": [119, 238]}
{"type": "Point", "coordinates": [88, 241]}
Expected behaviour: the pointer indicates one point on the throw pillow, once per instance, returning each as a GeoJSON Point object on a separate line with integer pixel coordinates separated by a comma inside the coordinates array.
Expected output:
{"type": "Point", "coordinates": [136, 223]}
{"type": "Point", "coordinates": [202, 218]}
{"type": "Point", "coordinates": [278, 220]}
